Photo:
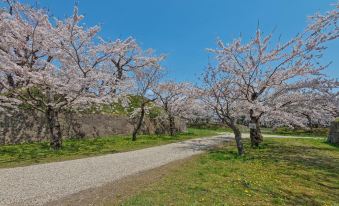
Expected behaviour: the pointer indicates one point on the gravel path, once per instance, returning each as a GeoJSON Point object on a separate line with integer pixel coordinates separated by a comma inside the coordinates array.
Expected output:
{"type": "Point", "coordinates": [39, 184]}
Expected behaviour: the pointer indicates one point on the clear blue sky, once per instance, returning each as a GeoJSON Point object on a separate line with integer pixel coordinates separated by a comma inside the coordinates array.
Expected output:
{"type": "Point", "coordinates": [183, 29]}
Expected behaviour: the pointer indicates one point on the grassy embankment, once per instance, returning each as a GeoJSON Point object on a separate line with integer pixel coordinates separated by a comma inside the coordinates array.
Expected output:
{"type": "Point", "coordinates": [33, 153]}
{"type": "Point", "coordinates": [281, 172]}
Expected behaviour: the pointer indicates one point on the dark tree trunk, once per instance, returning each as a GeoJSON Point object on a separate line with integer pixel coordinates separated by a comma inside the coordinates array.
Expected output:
{"type": "Point", "coordinates": [139, 123]}
{"type": "Point", "coordinates": [54, 128]}
{"type": "Point", "coordinates": [310, 123]}
{"type": "Point", "coordinates": [255, 133]}
{"type": "Point", "coordinates": [238, 140]}
{"type": "Point", "coordinates": [120, 73]}
{"type": "Point", "coordinates": [171, 125]}
{"type": "Point", "coordinates": [119, 76]}
{"type": "Point", "coordinates": [10, 80]}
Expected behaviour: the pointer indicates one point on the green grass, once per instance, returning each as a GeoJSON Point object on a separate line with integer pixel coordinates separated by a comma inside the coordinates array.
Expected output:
{"type": "Point", "coordinates": [33, 153]}
{"type": "Point", "coordinates": [281, 172]}
{"type": "Point", "coordinates": [283, 131]}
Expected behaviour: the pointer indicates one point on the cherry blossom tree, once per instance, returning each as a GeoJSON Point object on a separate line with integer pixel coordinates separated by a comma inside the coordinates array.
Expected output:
{"type": "Point", "coordinates": [266, 73]}
{"type": "Point", "coordinates": [304, 109]}
{"type": "Point", "coordinates": [128, 56]}
{"type": "Point", "coordinates": [177, 100]}
{"type": "Point", "coordinates": [220, 94]}
{"type": "Point", "coordinates": [144, 80]}
{"type": "Point", "coordinates": [51, 67]}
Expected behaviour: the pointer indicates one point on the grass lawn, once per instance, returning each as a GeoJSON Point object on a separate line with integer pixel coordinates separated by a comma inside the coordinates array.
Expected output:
{"type": "Point", "coordinates": [281, 131]}
{"type": "Point", "coordinates": [33, 153]}
{"type": "Point", "coordinates": [281, 172]}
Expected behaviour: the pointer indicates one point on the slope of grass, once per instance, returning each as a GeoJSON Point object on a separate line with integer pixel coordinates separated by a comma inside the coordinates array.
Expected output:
{"type": "Point", "coordinates": [32, 153]}
{"type": "Point", "coordinates": [281, 172]}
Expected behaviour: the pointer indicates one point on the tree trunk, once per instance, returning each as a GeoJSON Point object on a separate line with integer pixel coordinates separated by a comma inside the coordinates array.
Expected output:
{"type": "Point", "coordinates": [118, 76]}
{"type": "Point", "coordinates": [54, 128]}
{"type": "Point", "coordinates": [120, 73]}
{"type": "Point", "coordinates": [10, 81]}
{"type": "Point", "coordinates": [238, 140]}
{"type": "Point", "coordinates": [139, 123]}
{"type": "Point", "coordinates": [255, 133]}
{"type": "Point", "coordinates": [171, 125]}
{"type": "Point", "coordinates": [310, 123]}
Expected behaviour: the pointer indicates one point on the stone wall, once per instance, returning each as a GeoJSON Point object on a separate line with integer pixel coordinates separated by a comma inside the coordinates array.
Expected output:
{"type": "Point", "coordinates": [30, 126]}
{"type": "Point", "coordinates": [333, 136]}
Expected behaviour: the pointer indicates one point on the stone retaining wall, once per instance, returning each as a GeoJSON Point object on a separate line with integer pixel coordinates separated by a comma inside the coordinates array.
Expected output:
{"type": "Point", "coordinates": [30, 126]}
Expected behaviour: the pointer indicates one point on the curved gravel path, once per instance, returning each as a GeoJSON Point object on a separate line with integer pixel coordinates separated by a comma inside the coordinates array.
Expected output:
{"type": "Point", "coordinates": [40, 184]}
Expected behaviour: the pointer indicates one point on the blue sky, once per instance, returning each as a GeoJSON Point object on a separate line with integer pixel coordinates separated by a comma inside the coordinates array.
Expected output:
{"type": "Point", "coordinates": [183, 29]}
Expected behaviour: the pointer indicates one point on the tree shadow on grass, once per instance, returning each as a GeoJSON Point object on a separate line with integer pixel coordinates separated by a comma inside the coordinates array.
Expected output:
{"type": "Point", "coordinates": [309, 157]}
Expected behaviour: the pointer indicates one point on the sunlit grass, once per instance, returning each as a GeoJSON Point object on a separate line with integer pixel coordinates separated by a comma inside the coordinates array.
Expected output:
{"type": "Point", "coordinates": [32, 153]}
{"type": "Point", "coordinates": [281, 172]}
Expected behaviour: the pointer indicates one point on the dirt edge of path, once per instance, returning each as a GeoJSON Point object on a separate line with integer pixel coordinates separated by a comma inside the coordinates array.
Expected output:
{"type": "Point", "coordinates": [116, 192]}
